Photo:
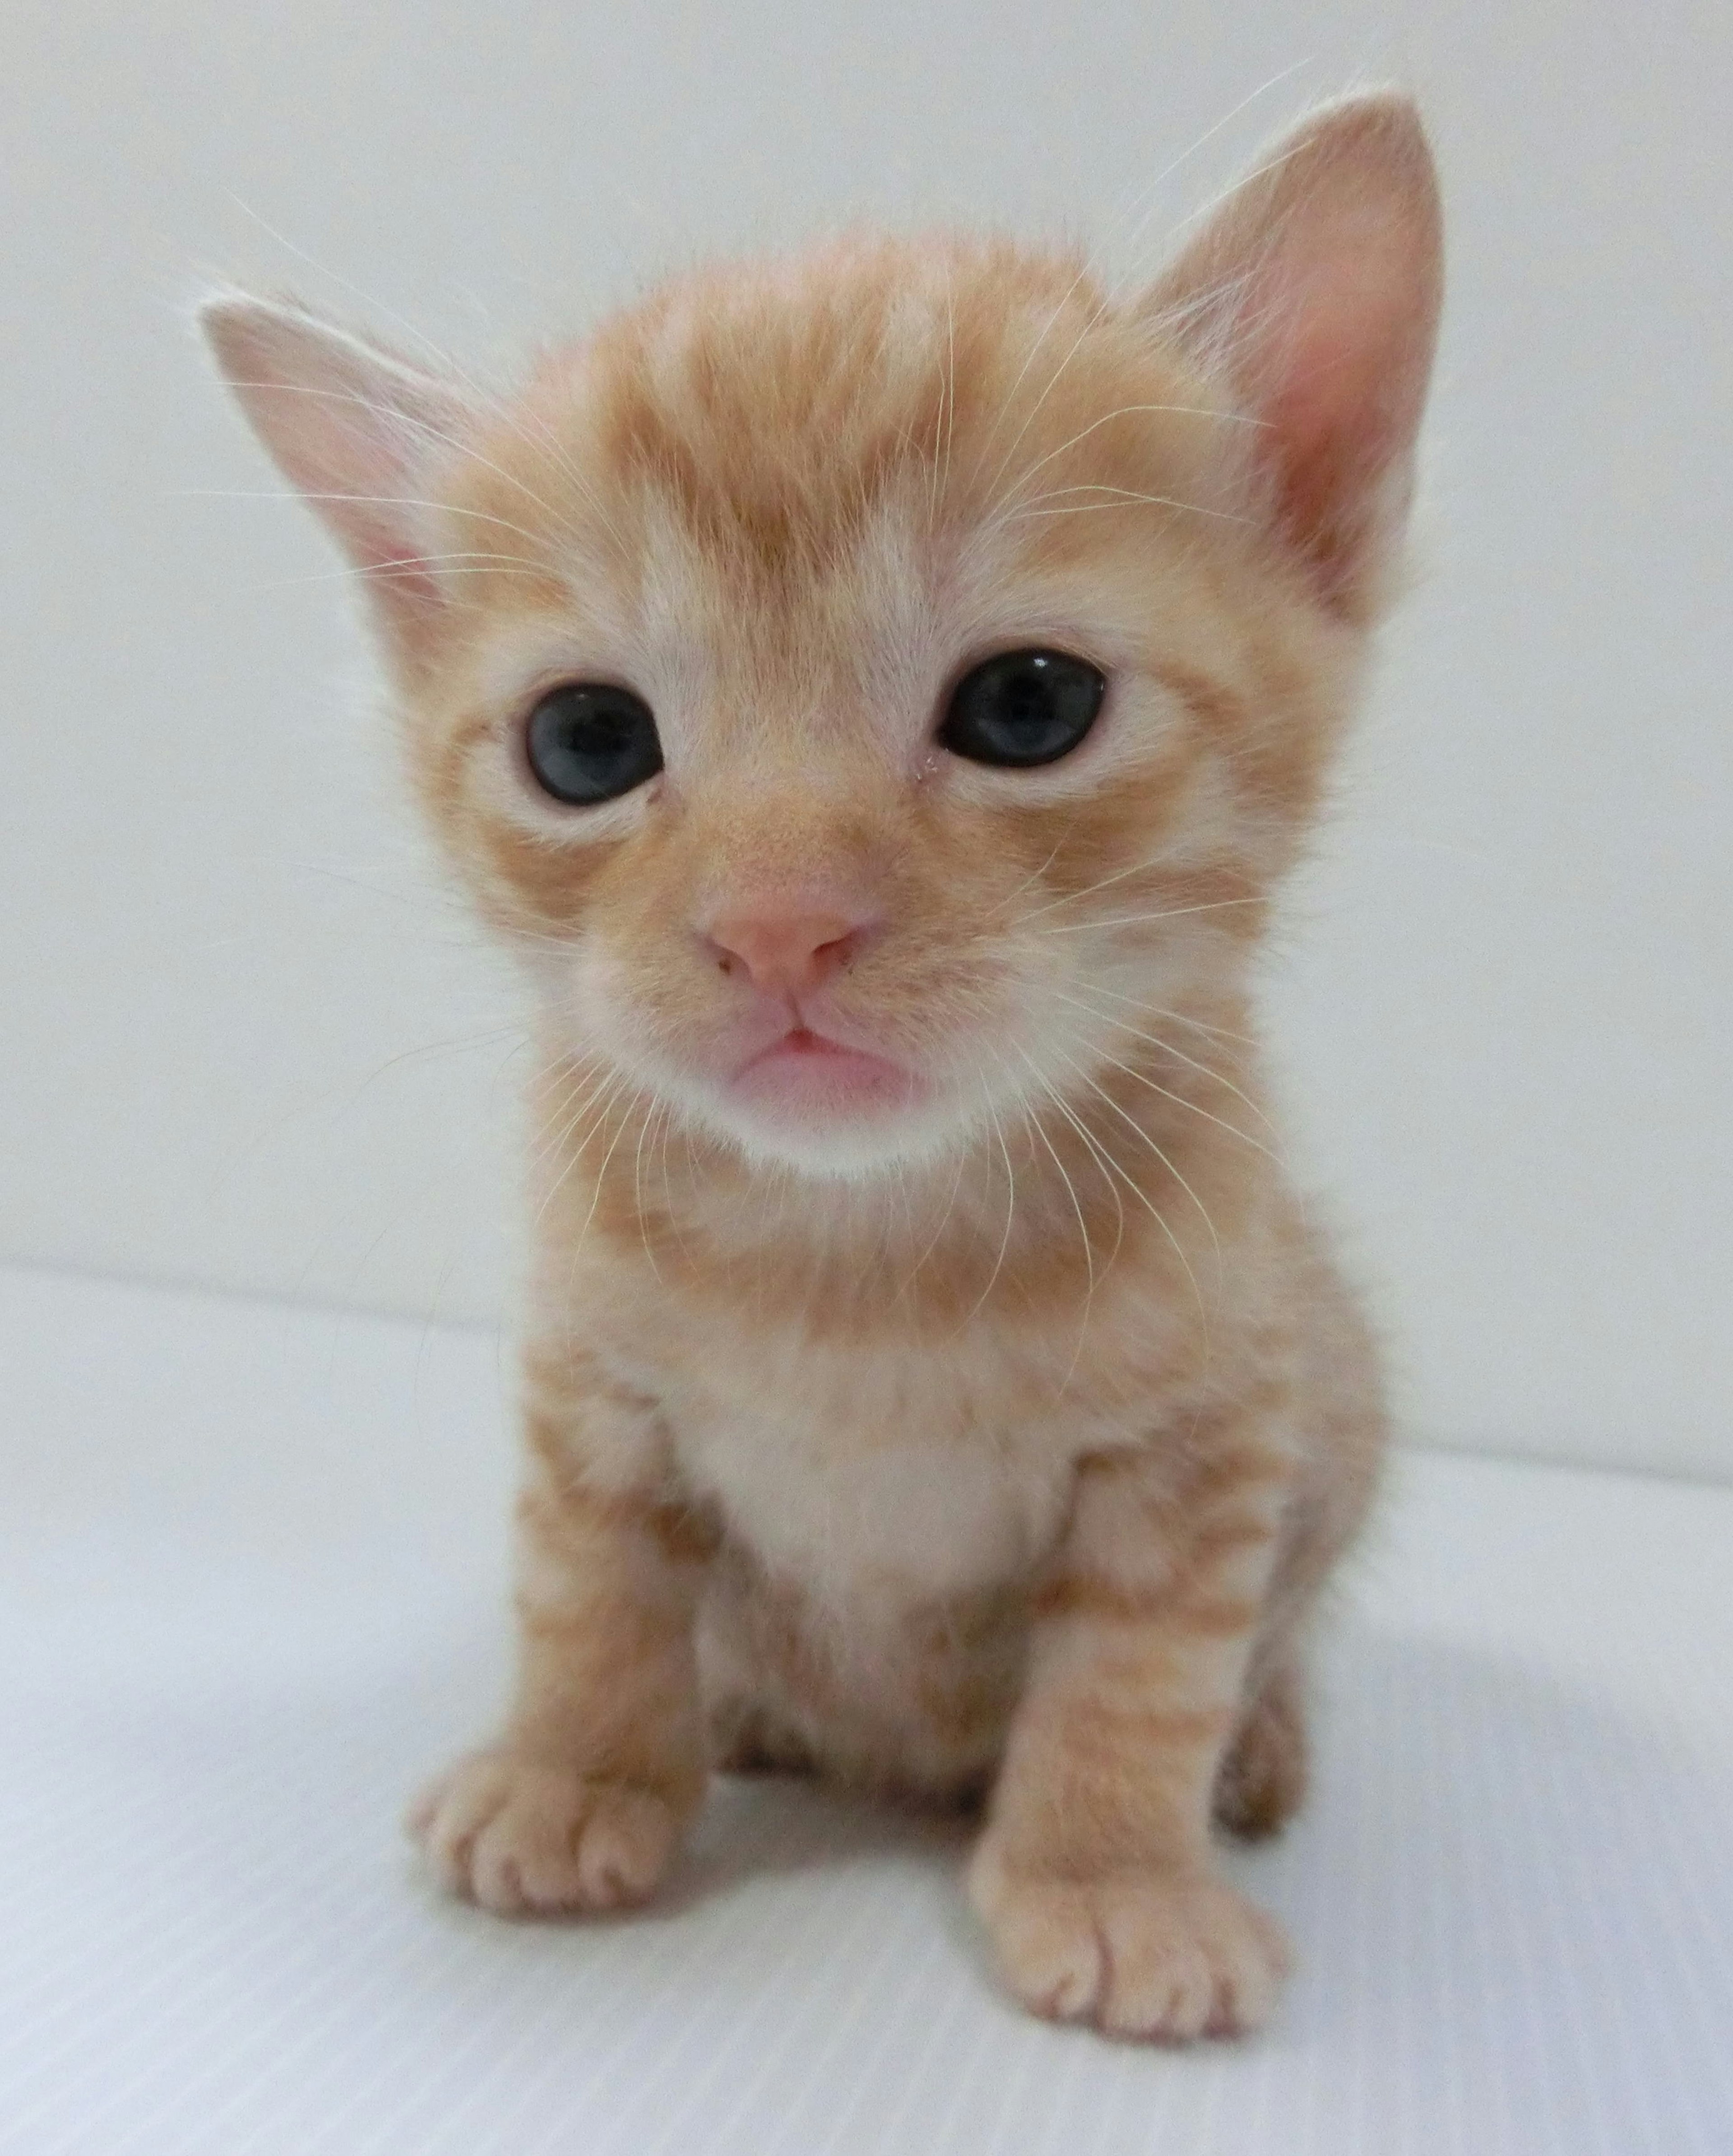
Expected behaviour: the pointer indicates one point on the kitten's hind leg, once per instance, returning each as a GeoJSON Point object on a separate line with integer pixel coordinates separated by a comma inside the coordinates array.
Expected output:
{"type": "Point", "coordinates": [748, 1730]}
{"type": "Point", "coordinates": [1262, 1780]}
{"type": "Point", "coordinates": [748, 1737]}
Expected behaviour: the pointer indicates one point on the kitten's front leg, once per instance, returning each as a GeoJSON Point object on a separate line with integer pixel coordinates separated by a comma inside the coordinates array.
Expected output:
{"type": "Point", "coordinates": [1095, 1875]}
{"type": "Point", "coordinates": [581, 1803]}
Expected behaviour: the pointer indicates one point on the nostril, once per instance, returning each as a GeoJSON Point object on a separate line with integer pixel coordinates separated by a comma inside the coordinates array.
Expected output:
{"type": "Point", "coordinates": [785, 951]}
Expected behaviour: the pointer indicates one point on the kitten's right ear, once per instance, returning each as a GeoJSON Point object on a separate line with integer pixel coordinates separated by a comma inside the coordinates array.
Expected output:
{"type": "Point", "coordinates": [358, 432]}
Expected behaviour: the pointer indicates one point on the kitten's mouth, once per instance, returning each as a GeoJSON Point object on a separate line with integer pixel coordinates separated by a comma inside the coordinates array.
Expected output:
{"type": "Point", "coordinates": [806, 1073]}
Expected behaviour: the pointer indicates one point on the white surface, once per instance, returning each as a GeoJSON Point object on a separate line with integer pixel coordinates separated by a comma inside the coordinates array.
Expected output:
{"type": "Point", "coordinates": [1507, 1014]}
{"type": "Point", "coordinates": [248, 1592]}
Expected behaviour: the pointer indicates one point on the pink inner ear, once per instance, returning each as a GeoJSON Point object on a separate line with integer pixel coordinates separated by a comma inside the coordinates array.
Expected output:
{"type": "Point", "coordinates": [372, 484]}
{"type": "Point", "coordinates": [1349, 376]}
{"type": "Point", "coordinates": [356, 430]}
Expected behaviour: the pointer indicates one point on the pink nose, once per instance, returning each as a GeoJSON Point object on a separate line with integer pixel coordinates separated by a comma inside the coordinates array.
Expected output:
{"type": "Point", "coordinates": [785, 951]}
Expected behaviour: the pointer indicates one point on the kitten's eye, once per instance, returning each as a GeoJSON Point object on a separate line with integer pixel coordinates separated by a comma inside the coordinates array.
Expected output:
{"type": "Point", "coordinates": [1023, 707]}
{"type": "Point", "coordinates": [590, 741]}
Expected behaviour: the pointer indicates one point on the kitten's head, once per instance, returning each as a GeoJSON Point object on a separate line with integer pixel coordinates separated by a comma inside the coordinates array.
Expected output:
{"type": "Point", "coordinates": [860, 685]}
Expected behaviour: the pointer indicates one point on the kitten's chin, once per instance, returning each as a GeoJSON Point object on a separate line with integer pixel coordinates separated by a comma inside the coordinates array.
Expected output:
{"type": "Point", "coordinates": [841, 1152]}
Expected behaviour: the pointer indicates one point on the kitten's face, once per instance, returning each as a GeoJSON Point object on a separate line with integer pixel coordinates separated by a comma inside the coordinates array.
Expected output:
{"type": "Point", "coordinates": [867, 688]}
{"type": "Point", "coordinates": [793, 516]}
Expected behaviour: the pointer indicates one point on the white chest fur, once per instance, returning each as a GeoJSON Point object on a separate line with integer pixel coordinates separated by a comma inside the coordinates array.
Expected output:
{"type": "Point", "coordinates": [862, 1478]}
{"type": "Point", "coordinates": [903, 1517]}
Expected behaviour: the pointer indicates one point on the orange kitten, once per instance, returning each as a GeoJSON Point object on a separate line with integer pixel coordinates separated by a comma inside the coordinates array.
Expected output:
{"type": "Point", "coordinates": [876, 695]}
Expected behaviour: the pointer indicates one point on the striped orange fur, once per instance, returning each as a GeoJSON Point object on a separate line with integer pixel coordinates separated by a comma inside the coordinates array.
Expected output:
{"type": "Point", "coordinates": [985, 1431]}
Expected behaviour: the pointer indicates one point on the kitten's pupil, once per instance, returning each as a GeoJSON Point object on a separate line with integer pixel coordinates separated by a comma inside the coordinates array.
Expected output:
{"type": "Point", "coordinates": [591, 741]}
{"type": "Point", "coordinates": [1023, 708]}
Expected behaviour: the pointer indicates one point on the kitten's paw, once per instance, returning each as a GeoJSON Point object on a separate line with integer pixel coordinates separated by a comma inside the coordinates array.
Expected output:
{"type": "Point", "coordinates": [518, 1835]}
{"type": "Point", "coordinates": [1164, 1957]}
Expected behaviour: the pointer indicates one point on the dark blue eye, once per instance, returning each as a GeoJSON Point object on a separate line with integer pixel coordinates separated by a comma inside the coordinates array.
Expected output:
{"type": "Point", "coordinates": [1023, 707]}
{"type": "Point", "coordinates": [590, 741]}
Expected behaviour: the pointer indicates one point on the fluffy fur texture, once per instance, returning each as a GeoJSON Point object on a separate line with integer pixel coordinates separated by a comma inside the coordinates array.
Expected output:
{"type": "Point", "coordinates": [983, 1426]}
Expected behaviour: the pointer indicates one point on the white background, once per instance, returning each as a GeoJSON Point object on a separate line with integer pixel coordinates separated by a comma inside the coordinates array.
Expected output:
{"type": "Point", "coordinates": [245, 1045]}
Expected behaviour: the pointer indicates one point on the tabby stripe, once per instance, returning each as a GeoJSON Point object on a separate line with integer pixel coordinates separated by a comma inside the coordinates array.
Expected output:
{"type": "Point", "coordinates": [1091, 1595]}
{"type": "Point", "coordinates": [580, 1512]}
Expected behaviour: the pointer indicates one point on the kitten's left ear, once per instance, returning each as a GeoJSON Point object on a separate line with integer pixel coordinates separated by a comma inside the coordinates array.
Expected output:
{"type": "Point", "coordinates": [1315, 290]}
{"type": "Point", "coordinates": [359, 431]}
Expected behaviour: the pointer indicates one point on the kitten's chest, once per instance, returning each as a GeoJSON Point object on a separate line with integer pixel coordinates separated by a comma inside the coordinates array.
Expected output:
{"type": "Point", "coordinates": [879, 1478]}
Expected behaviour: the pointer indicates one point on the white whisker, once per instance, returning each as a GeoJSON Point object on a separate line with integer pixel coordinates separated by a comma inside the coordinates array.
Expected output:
{"type": "Point", "coordinates": [1159, 1010]}
{"type": "Point", "coordinates": [643, 1226]}
{"type": "Point", "coordinates": [475, 564]}
{"type": "Point", "coordinates": [1012, 498]}
{"type": "Point", "coordinates": [1158, 1214]}
{"type": "Point", "coordinates": [362, 501]}
{"type": "Point", "coordinates": [1032, 1117]}
{"type": "Point", "coordinates": [1180, 1100]}
{"type": "Point", "coordinates": [1112, 1167]}
{"type": "Point", "coordinates": [1134, 920]}
{"type": "Point", "coordinates": [1131, 1121]}
{"type": "Point", "coordinates": [1118, 497]}
{"type": "Point", "coordinates": [1102, 883]}
{"type": "Point", "coordinates": [1179, 1055]}
{"type": "Point", "coordinates": [1010, 1207]}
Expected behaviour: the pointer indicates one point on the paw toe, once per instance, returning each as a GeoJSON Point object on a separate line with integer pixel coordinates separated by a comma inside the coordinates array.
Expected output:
{"type": "Point", "coordinates": [1164, 1960]}
{"type": "Point", "coordinates": [516, 1836]}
